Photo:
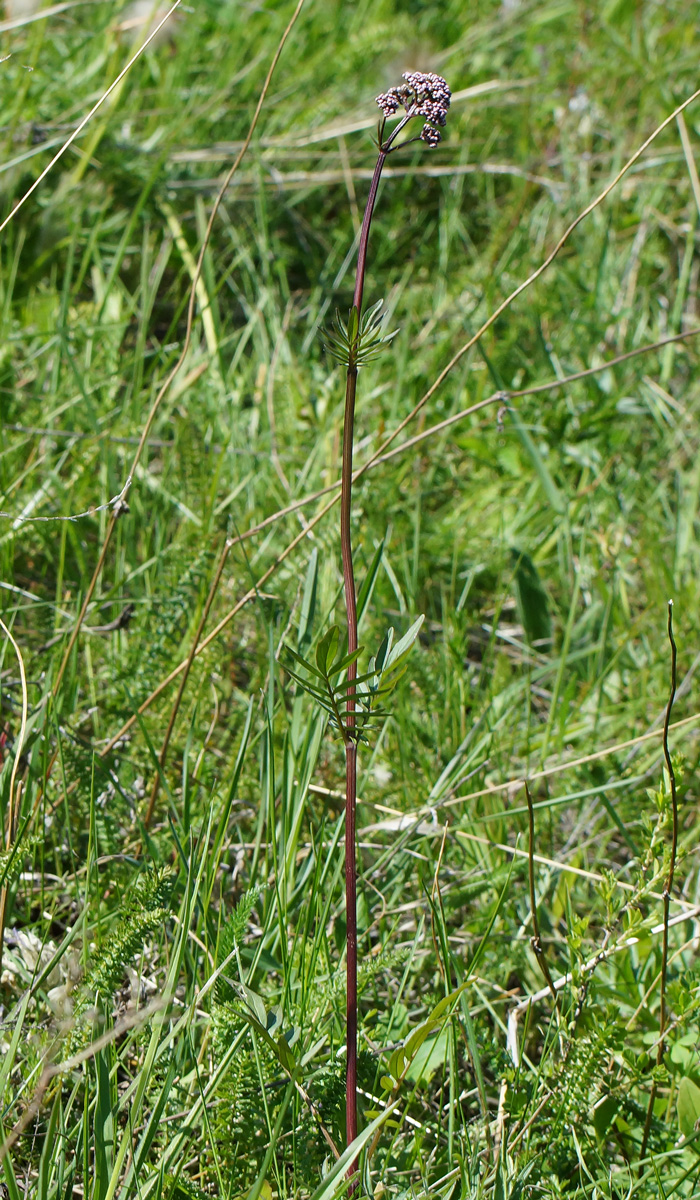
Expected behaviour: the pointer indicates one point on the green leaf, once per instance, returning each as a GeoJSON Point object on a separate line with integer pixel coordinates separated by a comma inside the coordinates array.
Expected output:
{"type": "Point", "coordinates": [371, 337]}
{"type": "Point", "coordinates": [327, 649]}
{"type": "Point", "coordinates": [275, 1017]}
{"type": "Point", "coordinates": [367, 586]}
{"type": "Point", "coordinates": [303, 662]}
{"type": "Point", "coordinates": [531, 598]}
{"type": "Point", "coordinates": [309, 687]}
{"type": "Point", "coordinates": [50, 1141]}
{"type": "Point", "coordinates": [555, 497]}
{"type": "Point", "coordinates": [308, 602]}
{"type": "Point", "coordinates": [258, 1019]}
{"type": "Point", "coordinates": [305, 683]}
{"type": "Point", "coordinates": [402, 1059]}
{"type": "Point", "coordinates": [382, 687]}
{"type": "Point", "coordinates": [341, 687]}
{"type": "Point", "coordinates": [334, 1184]}
{"type": "Point", "coordinates": [688, 1106]}
{"type": "Point", "coordinates": [284, 1054]}
{"type": "Point", "coordinates": [604, 1114]}
{"type": "Point", "coordinates": [404, 644]}
{"type": "Point", "coordinates": [501, 1189]}
{"type": "Point", "coordinates": [616, 12]}
{"type": "Point", "coordinates": [256, 1004]}
{"type": "Point", "coordinates": [11, 861]}
{"type": "Point", "coordinates": [419, 1036]}
{"type": "Point", "coordinates": [382, 653]}
{"type": "Point", "coordinates": [342, 663]}
{"type": "Point", "coordinates": [397, 1063]}
{"type": "Point", "coordinates": [429, 1058]}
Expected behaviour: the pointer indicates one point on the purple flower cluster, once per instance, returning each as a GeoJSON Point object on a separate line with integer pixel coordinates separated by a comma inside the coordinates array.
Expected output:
{"type": "Point", "coordinates": [424, 94]}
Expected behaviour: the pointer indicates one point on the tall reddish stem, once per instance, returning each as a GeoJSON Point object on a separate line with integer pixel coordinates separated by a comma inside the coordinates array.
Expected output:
{"type": "Point", "coordinates": [350, 742]}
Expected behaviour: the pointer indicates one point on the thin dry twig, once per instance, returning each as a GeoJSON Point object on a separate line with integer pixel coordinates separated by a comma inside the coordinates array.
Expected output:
{"type": "Point", "coordinates": [375, 460]}
{"type": "Point", "coordinates": [605, 952]}
{"type": "Point", "coordinates": [546, 772]}
{"type": "Point", "coordinates": [688, 908]}
{"type": "Point", "coordinates": [85, 121]}
{"type": "Point", "coordinates": [121, 505]}
{"type": "Point", "coordinates": [183, 680]}
{"type": "Point", "coordinates": [118, 501]}
{"type": "Point", "coordinates": [457, 357]}
{"type": "Point", "coordinates": [13, 803]}
{"type": "Point", "coordinates": [535, 940]}
{"type": "Point", "coordinates": [128, 1021]}
{"type": "Point", "coordinates": [668, 885]}
{"type": "Point", "coordinates": [500, 397]}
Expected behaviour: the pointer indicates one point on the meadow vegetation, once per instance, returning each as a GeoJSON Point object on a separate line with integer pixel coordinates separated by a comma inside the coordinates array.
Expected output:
{"type": "Point", "coordinates": [172, 995]}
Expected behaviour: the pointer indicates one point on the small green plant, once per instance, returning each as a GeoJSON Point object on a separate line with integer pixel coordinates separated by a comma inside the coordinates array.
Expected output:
{"type": "Point", "coordinates": [333, 680]}
{"type": "Point", "coordinates": [541, 546]}
{"type": "Point", "coordinates": [328, 681]}
{"type": "Point", "coordinates": [145, 909]}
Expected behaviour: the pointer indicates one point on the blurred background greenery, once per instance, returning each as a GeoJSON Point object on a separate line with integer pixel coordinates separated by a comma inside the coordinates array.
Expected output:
{"type": "Point", "coordinates": [542, 545]}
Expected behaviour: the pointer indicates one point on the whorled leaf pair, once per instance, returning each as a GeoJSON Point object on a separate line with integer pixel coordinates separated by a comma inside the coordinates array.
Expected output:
{"type": "Point", "coordinates": [360, 339]}
{"type": "Point", "coordinates": [326, 679]}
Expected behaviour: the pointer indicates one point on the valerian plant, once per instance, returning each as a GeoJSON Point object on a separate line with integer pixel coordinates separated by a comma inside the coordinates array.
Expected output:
{"type": "Point", "coordinates": [333, 680]}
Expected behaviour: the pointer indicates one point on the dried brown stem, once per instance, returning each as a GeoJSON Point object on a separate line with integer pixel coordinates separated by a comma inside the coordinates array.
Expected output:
{"type": "Point", "coordinates": [14, 797]}
{"type": "Point", "coordinates": [536, 941]}
{"type": "Point", "coordinates": [668, 886]}
{"type": "Point", "coordinates": [376, 459]}
{"type": "Point", "coordinates": [120, 504]}
{"type": "Point", "coordinates": [131, 1020]}
{"type": "Point", "coordinates": [183, 680]}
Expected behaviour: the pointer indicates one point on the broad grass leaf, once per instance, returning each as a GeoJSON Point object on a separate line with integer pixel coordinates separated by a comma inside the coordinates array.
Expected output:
{"type": "Point", "coordinates": [429, 1058]}
{"type": "Point", "coordinates": [364, 594]}
{"type": "Point", "coordinates": [327, 649]}
{"type": "Point", "coordinates": [256, 1004]}
{"type": "Point", "coordinates": [404, 644]}
{"type": "Point", "coordinates": [335, 1184]}
{"type": "Point", "coordinates": [688, 1107]}
{"type": "Point", "coordinates": [531, 598]}
{"type": "Point", "coordinates": [308, 603]}
{"type": "Point", "coordinates": [604, 1115]}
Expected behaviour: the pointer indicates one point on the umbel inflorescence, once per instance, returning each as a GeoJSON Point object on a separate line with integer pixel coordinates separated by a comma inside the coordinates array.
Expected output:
{"type": "Point", "coordinates": [424, 94]}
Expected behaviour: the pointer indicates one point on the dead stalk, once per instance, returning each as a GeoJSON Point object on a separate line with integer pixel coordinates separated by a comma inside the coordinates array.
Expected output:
{"type": "Point", "coordinates": [183, 679]}
{"type": "Point", "coordinates": [14, 797]}
{"type": "Point", "coordinates": [120, 505]}
{"type": "Point", "coordinates": [536, 941]}
{"type": "Point", "coordinates": [668, 887]}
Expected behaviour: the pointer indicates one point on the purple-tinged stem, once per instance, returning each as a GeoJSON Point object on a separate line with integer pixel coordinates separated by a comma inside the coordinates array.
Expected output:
{"type": "Point", "coordinates": [385, 148]}
{"type": "Point", "coordinates": [350, 742]}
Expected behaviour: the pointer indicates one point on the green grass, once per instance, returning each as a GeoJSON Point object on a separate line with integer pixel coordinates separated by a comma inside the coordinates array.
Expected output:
{"type": "Point", "coordinates": [542, 548]}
